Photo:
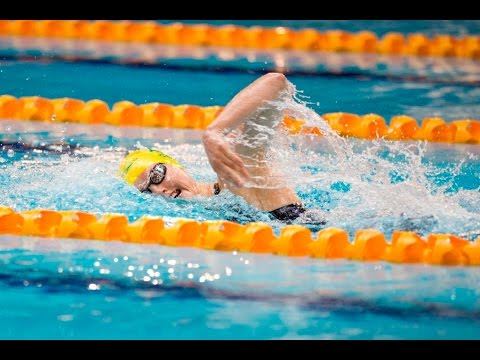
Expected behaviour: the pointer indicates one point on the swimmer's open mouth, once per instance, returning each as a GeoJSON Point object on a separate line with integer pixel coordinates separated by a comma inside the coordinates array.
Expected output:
{"type": "Point", "coordinates": [176, 193]}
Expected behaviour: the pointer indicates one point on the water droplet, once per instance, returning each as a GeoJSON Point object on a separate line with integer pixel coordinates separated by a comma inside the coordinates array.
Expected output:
{"type": "Point", "coordinates": [10, 153]}
{"type": "Point", "coordinates": [93, 287]}
{"type": "Point", "coordinates": [8, 128]}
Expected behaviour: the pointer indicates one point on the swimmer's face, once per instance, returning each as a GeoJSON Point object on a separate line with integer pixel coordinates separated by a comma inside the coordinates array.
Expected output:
{"type": "Point", "coordinates": [176, 182]}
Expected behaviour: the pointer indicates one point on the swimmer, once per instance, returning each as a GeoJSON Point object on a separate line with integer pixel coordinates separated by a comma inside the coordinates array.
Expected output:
{"type": "Point", "coordinates": [249, 112]}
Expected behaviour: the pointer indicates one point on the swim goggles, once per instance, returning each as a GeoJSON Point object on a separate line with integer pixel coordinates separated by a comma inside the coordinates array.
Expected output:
{"type": "Point", "coordinates": [156, 176]}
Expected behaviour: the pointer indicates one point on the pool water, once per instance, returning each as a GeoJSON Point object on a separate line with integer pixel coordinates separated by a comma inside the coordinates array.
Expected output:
{"type": "Point", "coordinates": [71, 289]}
{"type": "Point", "coordinates": [93, 290]}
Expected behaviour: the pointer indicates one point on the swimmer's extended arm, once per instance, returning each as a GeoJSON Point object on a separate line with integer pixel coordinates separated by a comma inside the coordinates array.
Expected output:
{"type": "Point", "coordinates": [226, 163]}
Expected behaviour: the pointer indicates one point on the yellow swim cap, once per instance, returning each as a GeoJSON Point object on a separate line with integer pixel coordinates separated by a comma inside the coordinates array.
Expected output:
{"type": "Point", "coordinates": [136, 162]}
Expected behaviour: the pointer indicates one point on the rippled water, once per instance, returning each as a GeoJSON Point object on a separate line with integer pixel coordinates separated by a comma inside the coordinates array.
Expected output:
{"type": "Point", "coordinates": [393, 185]}
{"type": "Point", "coordinates": [95, 290]}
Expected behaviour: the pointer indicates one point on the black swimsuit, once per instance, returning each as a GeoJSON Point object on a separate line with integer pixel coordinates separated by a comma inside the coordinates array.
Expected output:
{"type": "Point", "coordinates": [285, 213]}
{"type": "Point", "coordinates": [288, 212]}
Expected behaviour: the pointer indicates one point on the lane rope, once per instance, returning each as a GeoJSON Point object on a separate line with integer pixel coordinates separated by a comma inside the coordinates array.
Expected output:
{"type": "Point", "coordinates": [294, 240]}
{"type": "Point", "coordinates": [127, 113]}
{"type": "Point", "coordinates": [307, 39]}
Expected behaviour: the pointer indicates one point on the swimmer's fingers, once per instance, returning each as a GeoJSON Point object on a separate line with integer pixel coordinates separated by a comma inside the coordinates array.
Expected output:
{"type": "Point", "coordinates": [230, 177]}
{"type": "Point", "coordinates": [233, 171]}
{"type": "Point", "coordinates": [236, 163]}
{"type": "Point", "coordinates": [223, 159]}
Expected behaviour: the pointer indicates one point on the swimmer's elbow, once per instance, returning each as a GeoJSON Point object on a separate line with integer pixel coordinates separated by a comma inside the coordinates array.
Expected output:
{"type": "Point", "coordinates": [276, 80]}
{"type": "Point", "coordinates": [275, 76]}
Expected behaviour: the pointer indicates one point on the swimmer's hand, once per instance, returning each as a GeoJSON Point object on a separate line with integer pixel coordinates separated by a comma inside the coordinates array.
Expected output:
{"type": "Point", "coordinates": [224, 161]}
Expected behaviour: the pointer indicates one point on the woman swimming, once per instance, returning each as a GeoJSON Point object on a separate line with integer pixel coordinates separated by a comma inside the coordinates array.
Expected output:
{"type": "Point", "coordinates": [250, 116]}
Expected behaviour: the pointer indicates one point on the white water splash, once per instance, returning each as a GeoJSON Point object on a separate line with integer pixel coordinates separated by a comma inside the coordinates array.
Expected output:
{"type": "Point", "coordinates": [390, 183]}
